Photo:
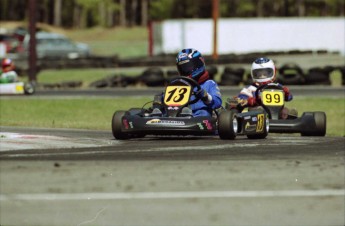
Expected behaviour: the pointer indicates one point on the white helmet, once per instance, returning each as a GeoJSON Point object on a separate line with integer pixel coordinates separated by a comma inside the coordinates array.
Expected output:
{"type": "Point", "coordinates": [263, 70]}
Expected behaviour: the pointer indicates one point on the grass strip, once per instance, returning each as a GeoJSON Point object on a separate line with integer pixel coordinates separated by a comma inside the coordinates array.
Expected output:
{"type": "Point", "coordinates": [94, 113]}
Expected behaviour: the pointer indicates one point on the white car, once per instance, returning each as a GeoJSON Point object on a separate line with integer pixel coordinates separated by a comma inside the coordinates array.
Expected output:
{"type": "Point", "coordinates": [53, 45]}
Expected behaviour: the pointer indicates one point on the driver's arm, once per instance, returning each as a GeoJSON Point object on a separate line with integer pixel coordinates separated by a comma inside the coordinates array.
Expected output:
{"type": "Point", "coordinates": [287, 93]}
{"type": "Point", "coordinates": [214, 97]}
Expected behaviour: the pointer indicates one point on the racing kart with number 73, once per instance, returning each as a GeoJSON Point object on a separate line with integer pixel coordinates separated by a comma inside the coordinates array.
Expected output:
{"type": "Point", "coordinates": [171, 114]}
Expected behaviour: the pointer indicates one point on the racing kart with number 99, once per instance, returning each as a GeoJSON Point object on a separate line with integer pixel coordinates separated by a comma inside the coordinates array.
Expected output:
{"type": "Point", "coordinates": [271, 98]}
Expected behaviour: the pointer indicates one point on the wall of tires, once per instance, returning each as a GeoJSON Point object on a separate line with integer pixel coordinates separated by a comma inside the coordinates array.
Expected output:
{"type": "Point", "coordinates": [289, 74]}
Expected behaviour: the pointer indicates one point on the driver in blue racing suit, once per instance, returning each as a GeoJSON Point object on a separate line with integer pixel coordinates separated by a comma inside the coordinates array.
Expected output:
{"type": "Point", "coordinates": [190, 63]}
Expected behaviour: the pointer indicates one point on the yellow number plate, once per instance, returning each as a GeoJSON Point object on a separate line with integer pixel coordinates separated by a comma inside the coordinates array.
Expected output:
{"type": "Point", "coordinates": [177, 95]}
{"type": "Point", "coordinates": [19, 88]}
{"type": "Point", "coordinates": [272, 98]}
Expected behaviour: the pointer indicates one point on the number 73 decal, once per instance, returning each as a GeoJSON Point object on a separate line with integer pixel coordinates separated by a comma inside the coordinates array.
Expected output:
{"type": "Point", "coordinates": [177, 95]}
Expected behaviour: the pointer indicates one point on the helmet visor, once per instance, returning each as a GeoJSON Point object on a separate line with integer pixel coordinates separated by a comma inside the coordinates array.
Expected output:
{"type": "Point", "coordinates": [263, 73]}
{"type": "Point", "coordinates": [186, 67]}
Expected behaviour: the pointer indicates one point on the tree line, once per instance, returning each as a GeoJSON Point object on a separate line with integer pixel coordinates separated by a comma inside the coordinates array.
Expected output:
{"type": "Point", "coordinates": [110, 13]}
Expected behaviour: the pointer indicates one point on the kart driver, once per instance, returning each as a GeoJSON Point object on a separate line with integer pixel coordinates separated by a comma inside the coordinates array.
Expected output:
{"type": "Point", "coordinates": [263, 71]}
{"type": "Point", "coordinates": [8, 74]}
{"type": "Point", "coordinates": [190, 63]}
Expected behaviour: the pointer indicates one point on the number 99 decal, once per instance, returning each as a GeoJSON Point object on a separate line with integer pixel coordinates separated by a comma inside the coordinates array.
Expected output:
{"type": "Point", "coordinates": [177, 95]}
{"type": "Point", "coordinates": [275, 98]}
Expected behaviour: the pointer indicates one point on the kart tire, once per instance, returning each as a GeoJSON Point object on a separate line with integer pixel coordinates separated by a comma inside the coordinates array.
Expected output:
{"type": "Point", "coordinates": [261, 135]}
{"type": "Point", "coordinates": [227, 129]}
{"type": "Point", "coordinates": [29, 88]}
{"type": "Point", "coordinates": [320, 125]}
{"type": "Point", "coordinates": [116, 126]}
{"type": "Point", "coordinates": [230, 79]}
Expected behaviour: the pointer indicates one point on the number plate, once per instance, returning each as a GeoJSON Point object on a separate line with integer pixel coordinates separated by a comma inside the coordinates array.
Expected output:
{"type": "Point", "coordinates": [19, 88]}
{"type": "Point", "coordinates": [177, 95]}
{"type": "Point", "coordinates": [272, 98]}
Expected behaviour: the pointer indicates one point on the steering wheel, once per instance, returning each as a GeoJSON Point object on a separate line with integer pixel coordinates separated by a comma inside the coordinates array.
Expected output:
{"type": "Point", "coordinates": [262, 87]}
{"type": "Point", "coordinates": [190, 82]}
{"type": "Point", "coordinates": [267, 86]}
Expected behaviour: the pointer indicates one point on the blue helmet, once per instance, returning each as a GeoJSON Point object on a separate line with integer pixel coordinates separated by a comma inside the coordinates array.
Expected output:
{"type": "Point", "coordinates": [190, 63]}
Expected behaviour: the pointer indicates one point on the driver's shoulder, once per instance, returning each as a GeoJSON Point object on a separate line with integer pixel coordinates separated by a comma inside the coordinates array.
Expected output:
{"type": "Point", "coordinates": [209, 82]}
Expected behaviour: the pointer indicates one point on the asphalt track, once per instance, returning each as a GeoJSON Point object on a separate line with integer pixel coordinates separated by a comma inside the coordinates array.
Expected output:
{"type": "Point", "coordinates": [96, 180]}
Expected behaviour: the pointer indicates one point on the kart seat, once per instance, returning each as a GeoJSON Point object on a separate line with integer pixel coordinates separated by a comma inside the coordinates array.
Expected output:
{"type": "Point", "coordinates": [186, 112]}
{"type": "Point", "coordinates": [156, 112]}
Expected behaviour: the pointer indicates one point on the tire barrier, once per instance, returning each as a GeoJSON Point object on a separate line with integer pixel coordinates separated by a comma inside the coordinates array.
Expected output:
{"type": "Point", "coordinates": [290, 74]}
{"type": "Point", "coordinates": [153, 77]}
{"type": "Point", "coordinates": [231, 76]}
{"type": "Point", "coordinates": [317, 76]}
{"type": "Point", "coordinates": [212, 70]}
{"type": "Point", "coordinates": [342, 71]}
{"type": "Point", "coordinates": [61, 85]}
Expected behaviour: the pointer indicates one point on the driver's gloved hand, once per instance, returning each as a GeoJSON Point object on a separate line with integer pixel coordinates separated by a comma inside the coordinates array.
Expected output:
{"type": "Point", "coordinates": [203, 95]}
{"type": "Point", "coordinates": [250, 101]}
{"type": "Point", "coordinates": [286, 91]}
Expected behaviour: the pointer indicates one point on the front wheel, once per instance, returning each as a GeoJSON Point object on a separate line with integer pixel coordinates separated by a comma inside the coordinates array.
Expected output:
{"type": "Point", "coordinates": [116, 126]}
{"type": "Point", "coordinates": [227, 125]}
{"type": "Point", "coordinates": [264, 134]}
{"type": "Point", "coordinates": [29, 88]}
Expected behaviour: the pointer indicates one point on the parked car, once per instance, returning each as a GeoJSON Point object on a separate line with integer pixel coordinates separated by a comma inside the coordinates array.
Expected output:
{"type": "Point", "coordinates": [53, 45]}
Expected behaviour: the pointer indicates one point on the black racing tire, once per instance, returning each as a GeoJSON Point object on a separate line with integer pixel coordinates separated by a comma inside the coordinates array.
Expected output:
{"type": "Point", "coordinates": [292, 79]}
{"type": "Point", "coordinates": [212, 71]}
{"type": "Point", "coordinates": [172, 73]}
{"type": "Point", "coordinates": [227, 129]}
{"type": "Point", "coordinates": [153, 71]}
{"type": "Point", "coordinates": [239, 72]}
{"type": "Point", "coordinates": [317, 77]}
{"type": "Point", "coordinates": [230, 79]}
{"type": "Point", "coordinates": [116, 125]}
{"type": "Point", "coordinates": [29, 88]}
{"type": "Point", "coordinates": [320, 125]}
{"type": "Point", "coordinates": [261, 135]}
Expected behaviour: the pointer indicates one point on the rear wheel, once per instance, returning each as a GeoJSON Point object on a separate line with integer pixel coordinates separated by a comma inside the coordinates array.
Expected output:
{"type": "Point", "coordinates": [227, 125]}
{"type": "Point", "coordinates": [320, 125]}
{"type": "Point", "coordinates": [116, 125]}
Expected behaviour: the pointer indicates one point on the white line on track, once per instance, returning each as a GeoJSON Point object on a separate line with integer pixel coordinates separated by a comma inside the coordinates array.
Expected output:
{"type": "Point", "coordinates": [171, 195]}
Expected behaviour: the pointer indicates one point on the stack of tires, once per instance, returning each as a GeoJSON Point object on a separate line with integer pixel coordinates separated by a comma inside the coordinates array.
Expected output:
{"type": "Point", "coordinates": [114, 81]}
{"type": "Point", "coordinates": [342, 71]}
{"type": "Point", "coordinates": [231, 76]}
{"type": "Point", "coordinates": [290, 74]}
{"type": "Point", "coordinates": [318, 76]}
{"type": "Point", "coordinates": [153, 77]}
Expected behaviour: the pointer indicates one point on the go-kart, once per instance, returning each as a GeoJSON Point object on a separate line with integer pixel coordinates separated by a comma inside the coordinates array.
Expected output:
{"type": "Point", "coordinates": [270, 97]}
{"type": "Point", "coordinates": [17, 88]}
{"type": "Point", "coordinates": [171, 114]}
